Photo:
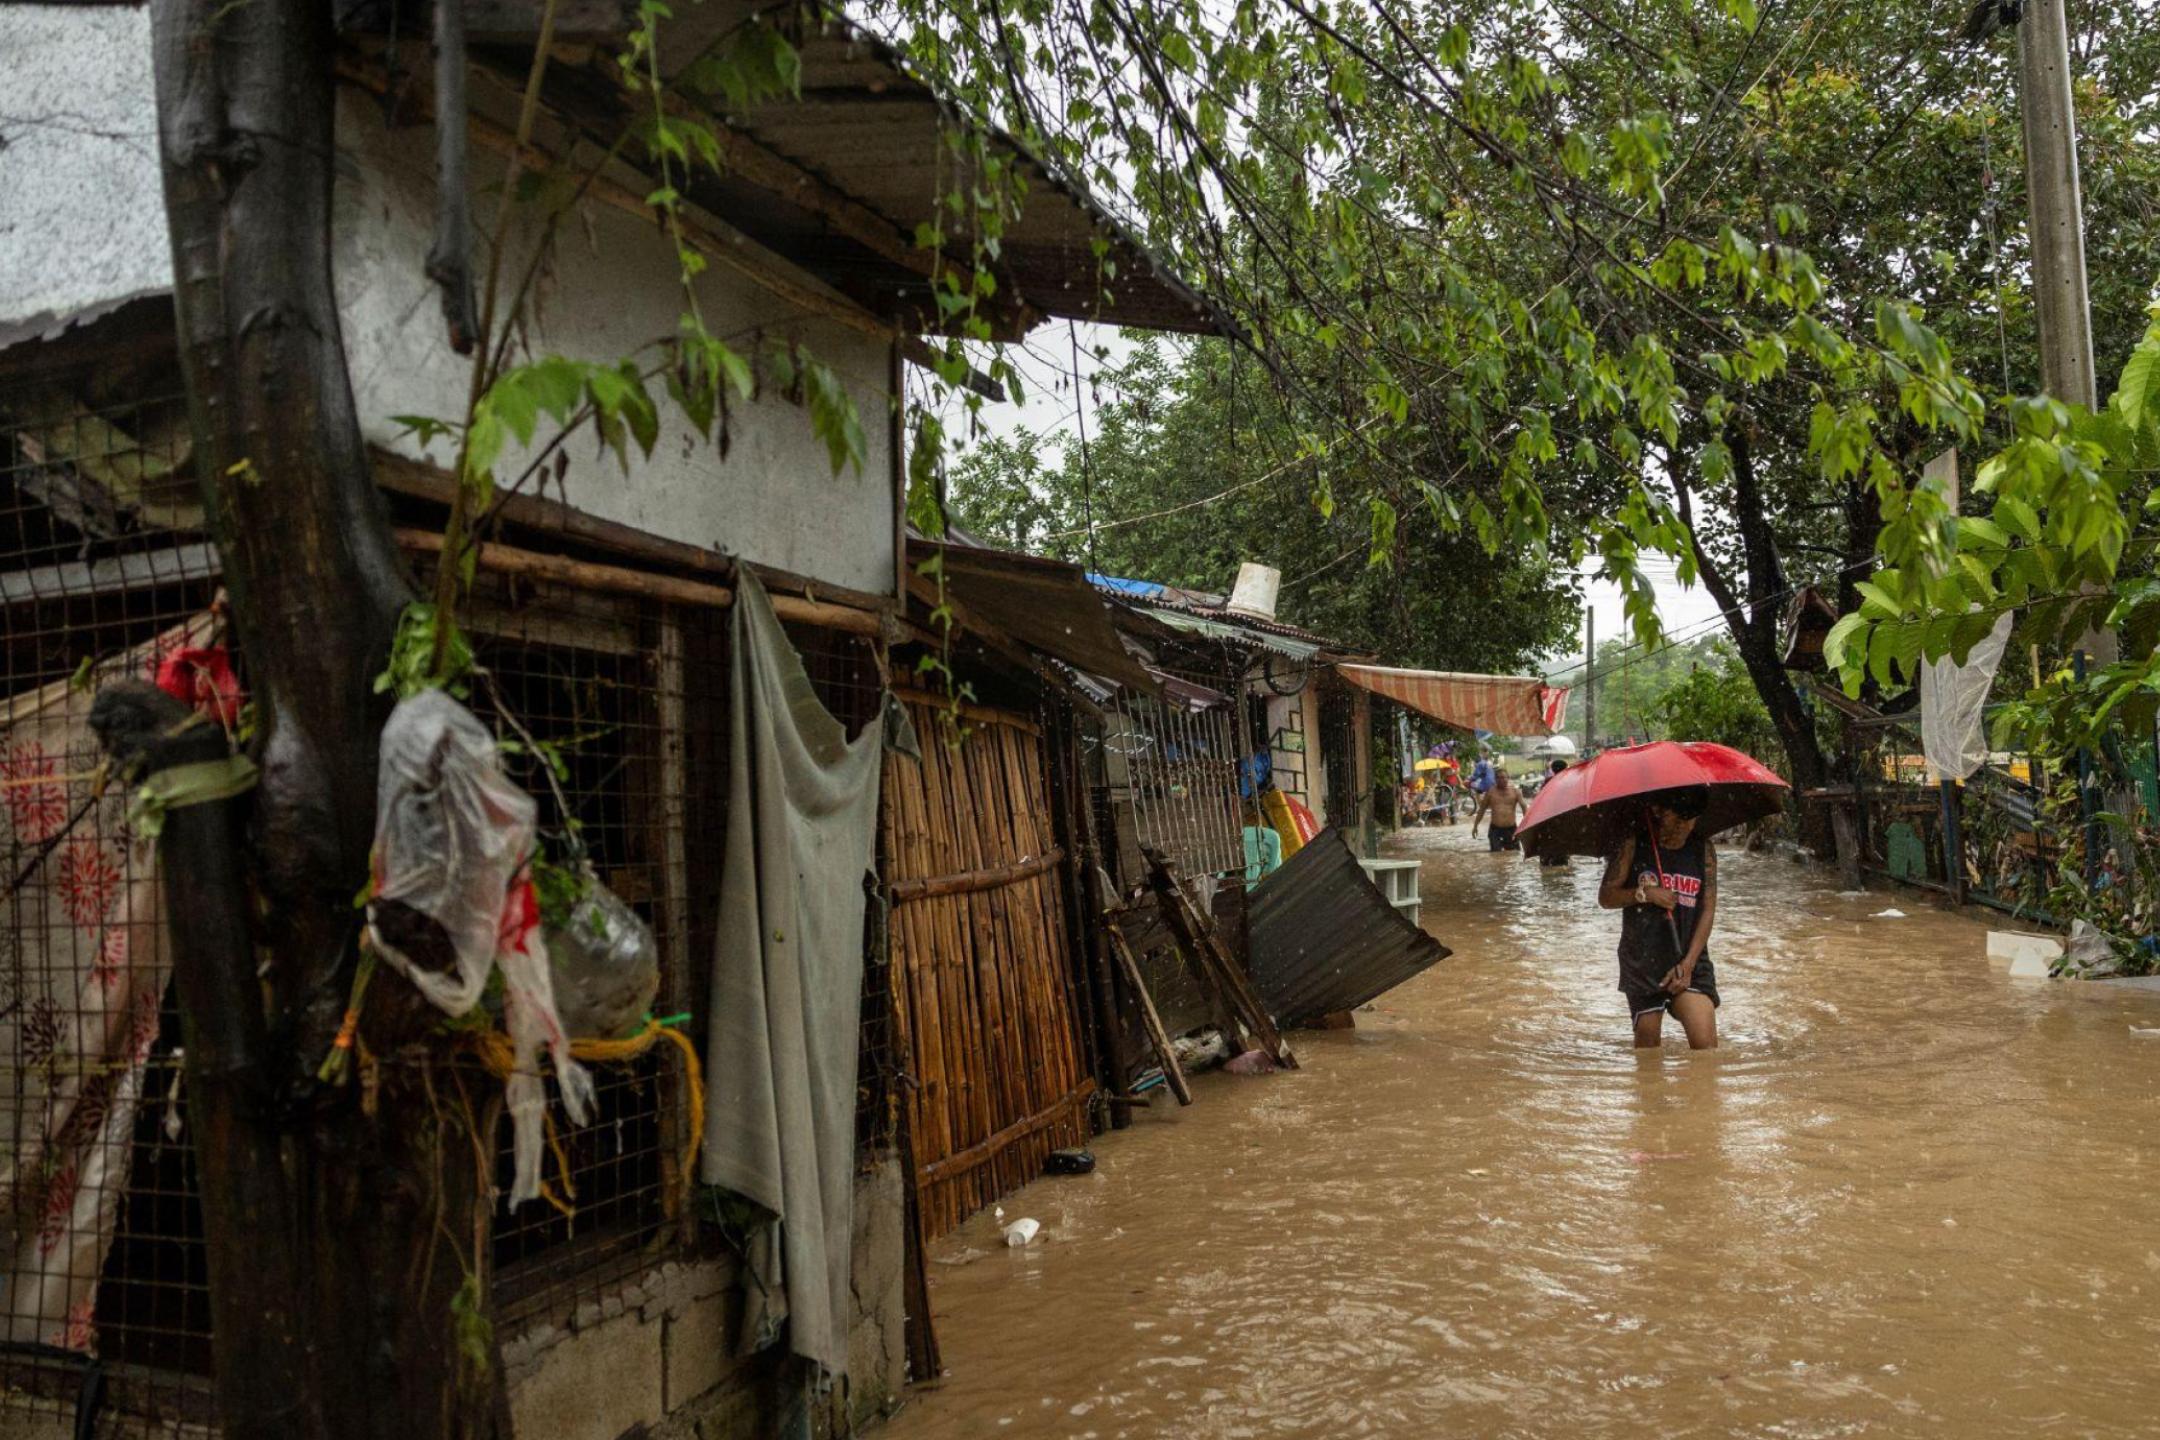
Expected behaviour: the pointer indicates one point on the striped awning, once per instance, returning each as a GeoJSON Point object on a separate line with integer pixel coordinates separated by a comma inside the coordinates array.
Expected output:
{"type": "Point", "coordinates": [1503, 704]}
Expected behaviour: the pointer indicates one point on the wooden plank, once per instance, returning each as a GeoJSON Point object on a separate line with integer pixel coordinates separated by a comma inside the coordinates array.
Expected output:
{"type": "Point", "coordinates": [970, 881]}
{"type": "Point", "coordinates": [1197, 932]}
{"type": "Point", "coordinates": [982, 714]}
{"type": "Point", "coordinates": [490, 21]}
{"type": "Point", "coordinates": [983, 1150]}
{"type": "Point", "coordinates": [671, 713]}
{"type": "Point", "coordinates": [1173, 1073]}
{"type": "Point", "coordinates": [402, 475]}
{"type": "Point", "coordinates": [134, 571]}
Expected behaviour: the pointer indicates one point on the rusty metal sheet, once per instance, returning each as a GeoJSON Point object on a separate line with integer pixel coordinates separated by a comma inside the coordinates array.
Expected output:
{"type": "Point", "coordinates": [1325, 939]}
{"type": "Point", "coordinates": [1047, 605]}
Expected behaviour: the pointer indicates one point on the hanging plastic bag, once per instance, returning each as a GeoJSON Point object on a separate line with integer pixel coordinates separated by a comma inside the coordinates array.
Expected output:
{"type": "Point", "coordinates": [607, 965]}
{"type": "Point", "coordinates": [452, 840]}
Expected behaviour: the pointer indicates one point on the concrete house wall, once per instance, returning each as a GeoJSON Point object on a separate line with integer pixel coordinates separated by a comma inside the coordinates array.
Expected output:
{"type": "Point", "coordinates": [82, 231]}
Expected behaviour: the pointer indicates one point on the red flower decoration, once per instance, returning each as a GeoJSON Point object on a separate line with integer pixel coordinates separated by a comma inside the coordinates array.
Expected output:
{"type": "Point", "coordinates": [36, 810]}
{"type": "Point", "coordinates": [81, 1332]}
{"type": "Point", "coordinates": [110, 967]}
{"type": "Point", "coordinates": [143, 1033]}
{"type": "Point", "coordinates": [89, 882]}
{"type": "Point", "coordinates": [202, 677]}
{"type": "Point", "coordinates": [59, 1209]}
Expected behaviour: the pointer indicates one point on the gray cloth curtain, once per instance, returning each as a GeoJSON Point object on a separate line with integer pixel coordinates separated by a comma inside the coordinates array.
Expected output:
{"type": "Point", "coordinates": [787, 983]}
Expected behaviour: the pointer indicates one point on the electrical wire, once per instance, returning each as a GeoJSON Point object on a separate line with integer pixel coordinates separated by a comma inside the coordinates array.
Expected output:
{"type": "Point", "coordinates": [1696, 629]}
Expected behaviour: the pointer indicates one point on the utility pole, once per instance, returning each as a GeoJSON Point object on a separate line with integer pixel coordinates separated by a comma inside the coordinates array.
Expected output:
{"type": "Point", "coordinates": [1589, 670]}
{"type": "Point", "coordinates": [2055, 204]}
{"type": "Point", "coordinates": [2056, 211]}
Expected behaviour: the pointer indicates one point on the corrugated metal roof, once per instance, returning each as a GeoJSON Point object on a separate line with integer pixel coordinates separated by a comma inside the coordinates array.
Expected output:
{"type": "Point", "coordinates": [1046, 605]}
{"type": "Point", "coordinates": [1236, 631]}
{"type": "Point", "coordinates": [873, 130]}
{"type": "Point", "coordinates": [1325, 939]}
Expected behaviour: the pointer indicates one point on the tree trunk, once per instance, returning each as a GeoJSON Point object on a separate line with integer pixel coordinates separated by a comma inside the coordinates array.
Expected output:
{"type": "Point", "coordinates": [339, 1278]}
{"type": "Point", "coordinates": [1755, 621]}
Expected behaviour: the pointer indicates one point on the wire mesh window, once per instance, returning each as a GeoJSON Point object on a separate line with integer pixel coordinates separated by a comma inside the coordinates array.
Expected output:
{"type": "Point", "coordinates": [104, 572]}
{"type": "Point", "coordinates": [605, 720]}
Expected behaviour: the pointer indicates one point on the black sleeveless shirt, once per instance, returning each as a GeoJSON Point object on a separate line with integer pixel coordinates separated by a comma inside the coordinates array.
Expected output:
{"type": "Point", "coordinates": [1646, 941]}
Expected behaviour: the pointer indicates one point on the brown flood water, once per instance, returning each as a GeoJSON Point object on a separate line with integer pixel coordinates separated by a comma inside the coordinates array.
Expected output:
{"type": "Point", "coordinates": [1910, 1196]}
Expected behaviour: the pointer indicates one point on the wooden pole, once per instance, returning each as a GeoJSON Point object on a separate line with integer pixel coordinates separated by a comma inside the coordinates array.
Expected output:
{"type": "Point", "coordinates": [1196, 935]}
{"type": "Point", "coordinates": [1173, 1073]}
{"type": "Point", "coordinates": [615, 580]}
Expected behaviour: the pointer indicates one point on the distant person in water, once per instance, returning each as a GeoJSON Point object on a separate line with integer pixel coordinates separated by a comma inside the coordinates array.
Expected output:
{"type": "Point", "coordinates": [1663, 881]}
{"type": "Point", "coordinates": [1503, 805]}
{"type": "Point", "coordinates": [1552, 861]}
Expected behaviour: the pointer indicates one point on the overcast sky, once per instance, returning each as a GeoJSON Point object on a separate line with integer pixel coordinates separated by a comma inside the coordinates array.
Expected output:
{"type": "Point", "coordinates": [1046, 362]}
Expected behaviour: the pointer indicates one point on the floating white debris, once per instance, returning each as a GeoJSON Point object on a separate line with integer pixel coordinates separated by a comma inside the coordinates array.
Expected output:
{"type": "Point", "coordinates": [2029, 966]}
{"type": "Point", "coordinates": [1022, 1233]}
{"type": "Point", "coordinates": [1892, 914]}
{"type": "Point", "coordinates": [2009, 947]}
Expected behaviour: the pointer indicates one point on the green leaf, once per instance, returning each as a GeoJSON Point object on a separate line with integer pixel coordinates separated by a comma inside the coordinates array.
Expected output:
{"type": "Point", "coordinates": [1841, 635]}
{"type": "Point", "coordinates": [2140, 383]}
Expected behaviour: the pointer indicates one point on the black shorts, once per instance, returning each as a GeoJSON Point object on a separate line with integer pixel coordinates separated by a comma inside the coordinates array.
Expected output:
{"type": "Point", "coordinates": [1642, 1000]}
{"type": "Point", "coordinates": [1501, 837]}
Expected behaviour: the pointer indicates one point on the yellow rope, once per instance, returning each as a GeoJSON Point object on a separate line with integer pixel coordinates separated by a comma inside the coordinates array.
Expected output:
{"type": "Point", "coordinates": [494, 1049]}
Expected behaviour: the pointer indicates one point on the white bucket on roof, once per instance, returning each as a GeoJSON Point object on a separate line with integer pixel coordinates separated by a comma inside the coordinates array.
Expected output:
{"type": "Point", "coordinates": [1255, 591]}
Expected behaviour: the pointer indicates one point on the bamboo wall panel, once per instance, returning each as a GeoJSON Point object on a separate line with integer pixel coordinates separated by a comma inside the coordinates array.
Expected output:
{"type": "Point", "coordinates": [982, 978]}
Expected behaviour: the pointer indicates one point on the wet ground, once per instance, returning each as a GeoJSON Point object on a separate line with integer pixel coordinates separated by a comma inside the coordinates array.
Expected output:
{"type": "Point", "coordinates": [1908, 1196]}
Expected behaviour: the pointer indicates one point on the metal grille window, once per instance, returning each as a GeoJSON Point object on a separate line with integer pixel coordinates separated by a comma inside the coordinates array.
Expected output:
{"type": "Point", "coordinates": [1173, 777]}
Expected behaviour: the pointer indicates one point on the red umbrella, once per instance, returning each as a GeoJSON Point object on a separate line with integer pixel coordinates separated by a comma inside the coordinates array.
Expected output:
{"type": "Point", "coordinates": [1587, 808]}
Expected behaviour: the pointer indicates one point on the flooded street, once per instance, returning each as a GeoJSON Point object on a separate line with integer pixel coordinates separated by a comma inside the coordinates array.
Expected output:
{"type": "Point", "coordinates": [1909, 1196]}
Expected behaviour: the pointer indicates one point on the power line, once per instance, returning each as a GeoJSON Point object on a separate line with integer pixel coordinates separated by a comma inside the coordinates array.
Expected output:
{"type": "Point", "coordinates": [1697, 629]}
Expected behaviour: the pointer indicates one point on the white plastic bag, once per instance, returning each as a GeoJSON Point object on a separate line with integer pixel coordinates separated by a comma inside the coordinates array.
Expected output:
{"type": "Point", "coordinates": [452, 840]}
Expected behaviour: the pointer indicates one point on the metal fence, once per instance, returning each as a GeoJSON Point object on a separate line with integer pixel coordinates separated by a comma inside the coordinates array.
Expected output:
{"type": "Point", "coordinates": [1995, 840]}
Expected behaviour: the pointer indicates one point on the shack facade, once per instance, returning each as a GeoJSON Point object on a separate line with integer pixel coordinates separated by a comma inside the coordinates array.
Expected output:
{"type": "Point", "coordinates": [601, 617]}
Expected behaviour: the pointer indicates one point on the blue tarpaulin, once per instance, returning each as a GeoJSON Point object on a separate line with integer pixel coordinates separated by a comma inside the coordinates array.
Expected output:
{"type": "Point", "coordinates": [1138, 589]}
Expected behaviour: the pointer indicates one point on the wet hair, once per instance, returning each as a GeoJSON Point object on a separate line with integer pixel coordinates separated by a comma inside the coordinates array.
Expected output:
{"type": "Point", "coordinates": [1688, 802]}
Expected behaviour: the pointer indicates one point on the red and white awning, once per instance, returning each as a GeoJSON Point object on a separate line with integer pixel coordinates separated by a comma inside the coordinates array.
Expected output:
{"type": "Point", "coordinates": [1503, 704]}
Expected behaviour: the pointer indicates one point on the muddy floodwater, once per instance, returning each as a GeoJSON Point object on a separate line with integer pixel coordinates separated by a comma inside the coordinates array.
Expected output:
{"type": "Point", "coordinates": [1909, 1196]}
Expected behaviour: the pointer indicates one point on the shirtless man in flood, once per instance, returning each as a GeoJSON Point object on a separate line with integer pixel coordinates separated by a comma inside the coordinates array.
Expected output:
{"type": "Point", "coordinates": [1504, 802]}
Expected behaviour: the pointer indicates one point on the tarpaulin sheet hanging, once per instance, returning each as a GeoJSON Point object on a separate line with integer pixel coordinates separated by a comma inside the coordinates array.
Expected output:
{"type": "Point", "coordinates": [787, 982]}
{"type": "Point", "coordinates": [1503, 704]}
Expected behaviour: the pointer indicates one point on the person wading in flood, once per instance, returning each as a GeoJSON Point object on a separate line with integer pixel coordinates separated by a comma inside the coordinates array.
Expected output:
{"type": "Point", "coordinates": [1667, 869]}
{"type": "Point", "coordinates": [1504, 803]}
{"type": "Point", "coordinates": [1554, 860]}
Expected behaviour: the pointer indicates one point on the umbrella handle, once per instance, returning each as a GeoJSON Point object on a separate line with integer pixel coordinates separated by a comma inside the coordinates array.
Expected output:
{"type": "Point", "coordinates": [1672, 921]}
